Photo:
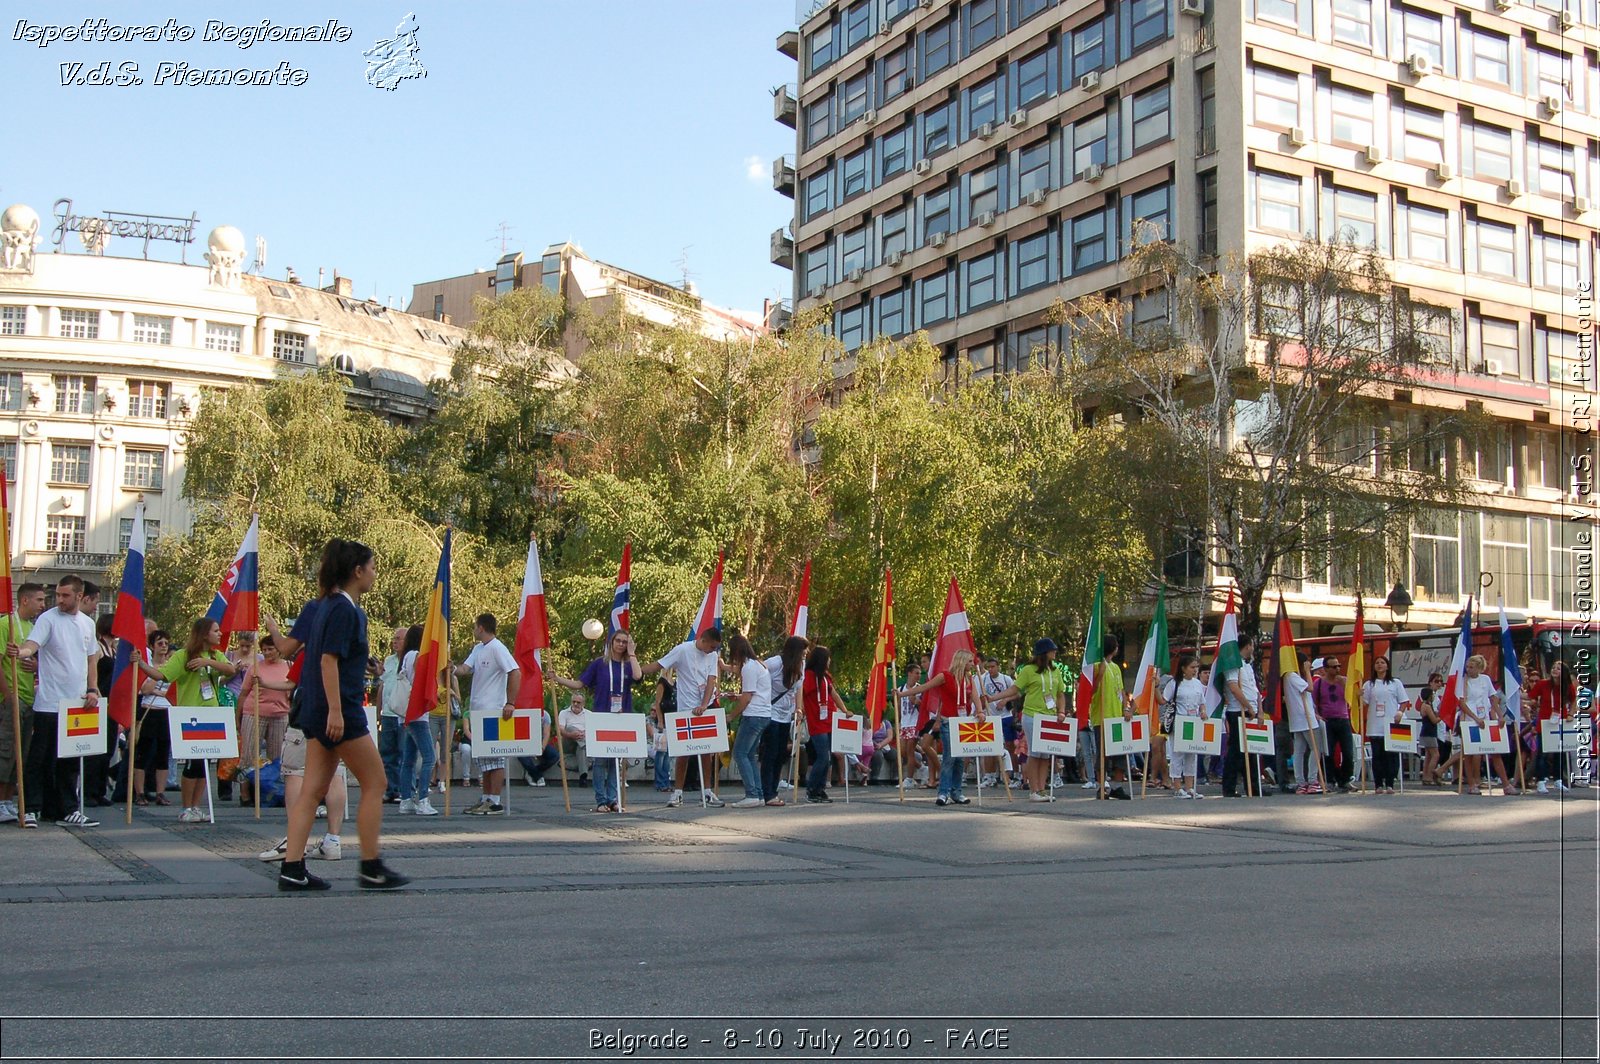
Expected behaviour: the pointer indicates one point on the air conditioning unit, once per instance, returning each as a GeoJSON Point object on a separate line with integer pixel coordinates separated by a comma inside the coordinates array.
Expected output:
{"type": "Point", "coordinates": [1514, 188]}
{"type": "Point", "coordinates": [1192, 7]}
{"type": "Point", "coordinates": [1444, 171]}
{"type": "Point", "coordinates": [885, 29]}
{"type": "Point", "coordinates": [1297, 137]}
{"type": "Point", "coordinates": [986, 131]}
{"type": "Point", "coordinates": [1582, 204]}
{"type": "Point", "coordinates": [1552, 104]}
{"type": "Point", "coordinates": [985, 220]}
{"type": "Point", "coordinates": [937, 240]}
{"type": "Point", "coordinates": [1090, 81]}
{"type": "Point", "coordinates": [855, 275]}
{"type": "Point", "coordinates": [894, 258]}
{"type": "Point", "coordinates": [869, 117]}
{"type": "Point", "coordinates": [1035, 198]}
{"type": "Point", "coordinates": [816, 292]}
{"type": "Point", "coordinates": [1493, 367]}
{"type": "Point", "coordinates": [1567, 20]}
{"type": "Point", "coordinates": [924, 165]}
{"type": "Point", "coordinates": [1419, 64]}
{"type": "Point", "coordinates": [924, 3]}
{"type": "Point", "coordinates": [1018, 119]}
{"type": "Point", "coordinates": [1374, 154]}
{"type": "Point", "coordinates": [1094, 172]}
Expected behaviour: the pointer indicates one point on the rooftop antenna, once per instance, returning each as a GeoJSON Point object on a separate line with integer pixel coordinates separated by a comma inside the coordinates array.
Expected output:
{"type": "Point", "coordinates": [503, 235]}
{"type": "Point", "coordinates": [261, 253]}
{"type": "Point", "coordinates": [682, 263]}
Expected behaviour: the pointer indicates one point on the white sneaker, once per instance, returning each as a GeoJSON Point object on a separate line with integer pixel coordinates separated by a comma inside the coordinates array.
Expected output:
{"type": "Point", "coordinates": [785, 785]}
{"type": "Point", "coordinates": [1057, 782]}
{"type": "Point", "coordinates": [327, 850]}
{"type": "Point", "coordinates": [191, 816]}
{"type": "Point", "coordinates": [76, 819]}
{"type": "Point", "coordinates": [407, 805]}
{"type": "Point", "coordinates": [748, 803]}
{"type": "Point", "coordinates": [908, 783]}
{"type": "Point", "coordinates": [276, 853]}
{"type": "Point", "coordinates": [711, 799]}
{"type": "Point", "coordinates": [425, 808]}
{"type": "Point", "coordinates": [539, 782]}
{"type": "Point", "coordinates": [991, 780]}
{"type": "Point", "coordinates": [1196, 795]}
{"type": "Point", "coordinates": [30, 820]}
{"type": "Point", "coordinates": [1182, 793]}
{"type": "Point", "coordinates": [676, 799]}
{"type": "Point", "coordinates": [1088, 785]}
{"type": "Point", "coordinates": [8, 812]}
{"type": "Point", "coordinates": [1040, 796]}
{"type": "Point", "coordinates": [1543, 787]}
{"type": "Point", "coordinates": [1560, 786]}
{"type": "Point", "coordinates": [1016, 783]}
{"type": "Point", "coordinates": [322, 812]}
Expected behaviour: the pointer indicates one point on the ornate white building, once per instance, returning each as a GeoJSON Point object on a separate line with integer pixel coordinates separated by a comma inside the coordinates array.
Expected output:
{"type": "Point", "coordinates": [103, 361]}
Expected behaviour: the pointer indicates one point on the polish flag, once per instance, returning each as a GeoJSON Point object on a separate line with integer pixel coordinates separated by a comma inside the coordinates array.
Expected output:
{"type": "Point", "coordinates": [533, 633]}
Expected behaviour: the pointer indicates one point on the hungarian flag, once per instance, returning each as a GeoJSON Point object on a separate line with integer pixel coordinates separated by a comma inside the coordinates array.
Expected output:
{"type": "Point", "coordinates": [1510, 668]}
{"type": "Point", "coordinates": [1355, 671]}
{"type": "Point", "coordinates": [5, 548]}
{"type": "Point", "coordinates": [1256, 737]}
{"type": "Point", "coordinates": [954, 634]}
{"type": "Point", "coordinates": [1093, 653]}
{"type": "Point", "coordinates": [619, 600]}
{"type": "Point", "coordinates": [882, 654]}
{"type": "Point", "coordinates": [235, 606]}
{"type": "Point", "coordinates": [1156, 657]}
{"type": "Point", "coordinates": [1455, 685]}
{"type": "Point", "coordinates": [127, 624]}
{"type": "Point", "coordinates": [802, 608]}
{"type": "Point", "coordinates": [1226, 661]}
{"type": "Point", "coordinates": [533, 629]}
{"type": "Point", "coordinates": [710, 613]}
{"type": "Point", "coordinates": [1285, 661]}
{"type": "Point", "coordinates": [426, 691]}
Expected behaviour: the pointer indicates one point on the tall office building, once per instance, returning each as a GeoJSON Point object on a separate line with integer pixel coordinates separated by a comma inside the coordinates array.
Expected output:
{"type": "Point", "coordinates": [960, 165]}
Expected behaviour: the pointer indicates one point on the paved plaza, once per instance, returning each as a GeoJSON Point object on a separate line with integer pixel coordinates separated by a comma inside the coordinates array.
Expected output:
{"type": "Point", "coordinates": [1417, 925]}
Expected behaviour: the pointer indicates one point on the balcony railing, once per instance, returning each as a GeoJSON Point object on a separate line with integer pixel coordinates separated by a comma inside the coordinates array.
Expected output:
{"type": "Point", "coordinates": [78, 560]}
{"type": "Point", "coordinates": [783, 176]}
{"type": "Point", "coordinates": [1205, 38]}
{"type": "Point", "coordinates": [1207, 140]}
{"type": "Point", "coordinates": [785, 107]}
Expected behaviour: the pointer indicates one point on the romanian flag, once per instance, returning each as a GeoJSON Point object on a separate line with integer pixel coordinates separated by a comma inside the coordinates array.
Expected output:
{"type": "Point", "coordinates": [533, 627]}
{"type": "Point", "coordinates": [976, 731]}
{"type": "Point", "coordinates": [1285, 661]}
{"type": "Point", "coordinates": [621, 598]}
{"type": "Point", "coordinates": [1455, 684]}
{"type": "Point", "coordinates": [1093, 654]}
{"type": "Point", "coordinates": [702, 726]}
{"type": "Point", "coordinates": [426, 691]}
{"type": "Point", "coordinates": [5, 548]}
{"type": "Point", "coordinates": [1153, 661]}
{"type": "Point", "coordinates": [497, 729]}
{"type": "Point", "coordinates": [1226, 661]}
{"type": "Point", "coordinates": [882, 654]}
{"type": "Point", "coordinates": [802, 609]}
{"type": "Point", "coordinates": [955, 633]}
{"type": "Point", "coordinates": [1355, 671]}
{"type": "Point", "coordinates": [236, 605]}
{"type": "Point", "coordinates": [127, 624]}
{"type": "Point", "coordinates": [196, 731]}
{"type": "Point", "coordinates": [82, 722]}
{"type": "Point", "coordinates": [710, 613]}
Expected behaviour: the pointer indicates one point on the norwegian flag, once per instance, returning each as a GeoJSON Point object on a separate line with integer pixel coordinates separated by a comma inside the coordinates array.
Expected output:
{"type": "Point", "coordinates": [533, 632]}
{"type": "Point", "coordinates": [710, 613]}
{"type": "Point", "coordinates": [623, 596]}
{"type": "Point", "coordinates": [703, 726]}
{"type": "Point", "coordinates": [236, 605]}
{"type": "Point", "coordinates": [802, 609]}
{"type": "Point", "coordinates": [1455, 685]}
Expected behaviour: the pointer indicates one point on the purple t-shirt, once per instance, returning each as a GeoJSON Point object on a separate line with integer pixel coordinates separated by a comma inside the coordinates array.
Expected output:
{"type": "Point", "coordinates": [1330, 701]}
{"type": "Point", "coordinates": [606, 677]}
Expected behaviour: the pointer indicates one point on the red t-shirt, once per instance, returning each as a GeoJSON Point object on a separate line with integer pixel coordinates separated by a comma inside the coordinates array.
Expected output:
{"type": "Point", "coordinates": [957, 701]}
{"type": "Point", "coordinates": [818, 701]}
{"type": "Point", "coordinates": [1544, 695]}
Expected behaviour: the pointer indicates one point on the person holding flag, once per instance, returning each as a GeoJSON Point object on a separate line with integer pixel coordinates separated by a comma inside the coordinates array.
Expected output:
{"type": "Point", "coordinates": [496, 679]}
{"type": "Point", "coordinates": [610, 679]}
{"type": "Point", "coordinates": [821, 702]}
{"type": "Point", "coordinates": [1242, 702]}
{"type": "Point", "coordinates": [1300, 711]}
{"type": "Point", "coordinates": [1511, 699]}
{"type": "Point", "coordinates": [17, 687]}
{"type": "Point", "coordinates": [1094, 643]}
{"type": "Point", "coordinates": [1333, 710]}
{"type": "Point", "coordinates": [1478, 703]}
{"type": "Point", "coordinates": [68, 654]}
{"type": "Point", "coordinates": [1555, 698]}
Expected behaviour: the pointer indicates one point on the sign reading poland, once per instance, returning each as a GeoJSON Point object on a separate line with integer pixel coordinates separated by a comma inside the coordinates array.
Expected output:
{"type": "Point", "coordinates": [616, 735]}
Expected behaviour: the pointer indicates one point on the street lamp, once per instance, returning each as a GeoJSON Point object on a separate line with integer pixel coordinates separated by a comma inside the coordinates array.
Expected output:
{"type": "Point", "coordinates": [1399, 602]}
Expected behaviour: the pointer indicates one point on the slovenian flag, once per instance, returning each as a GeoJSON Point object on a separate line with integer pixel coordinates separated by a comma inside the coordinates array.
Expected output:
{"type": "Point", "coordinates": [199, 731]}
{"type": "Point", "coordinates": [496, 729]}
{"type": "Point", "coordinates": [1093, 654]}
{"type": "Point", "coordinates": [882, 653]}
{"type": "Point", "coordinates": [710, 613]}
{"type": "Point", "coordinates": [127, 624]}
{"type": "Point", "coordinates": [1155, 658]}
{"type": "Point", "coordinates": [236, 605]}
{"type": "Point", "coordinates": [1510, 668]}
{"type": "Point", "coordinates": [434, 655]}
{"type": "Point", "coordinates": [533, 627]}
{"type": "Point", "coordinates": [954, 634]}
{"type": "Point", "coordinates": [1227, 659]}
{"type": "Point", "coordinates": [1455, 685]}
{"type": "Point", "coordinates": [621, 598]}
{"type": "Point", "coordinates": [802, 609]}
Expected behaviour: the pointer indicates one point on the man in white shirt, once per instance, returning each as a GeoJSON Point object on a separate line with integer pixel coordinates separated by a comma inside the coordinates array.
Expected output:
{"type": "Point", "coordinates": [391, 717]}
{"type": "Point", "coordinates": [496, 681]}
{"type": "Point", "coordinates": [992, 682]}
{"type": "Point", "coordinates": [1301, 712]}
{"type": "Point", "coordinates": [63, 640]}
{"type": "Point", "coordinates": [697, 664]}
{"type": "Point", "coordinates": [1242, 701]}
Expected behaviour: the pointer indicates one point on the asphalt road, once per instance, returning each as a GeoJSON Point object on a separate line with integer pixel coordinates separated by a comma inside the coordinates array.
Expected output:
{"type": "Point", "coordinates": [1422, 925]}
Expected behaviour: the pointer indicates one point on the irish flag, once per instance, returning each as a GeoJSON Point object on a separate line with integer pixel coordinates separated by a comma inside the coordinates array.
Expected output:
{"type": "Point", "coordinates": [533, 629]}
{"type": "Point", "coordinates": [882, 654]}
{"type": "Point", "coordinates": [1191, 729]}
{"type": "Point", "coordinates": [710, 613]}
{"type": "Point", "coordinates": [1093, 653]}
{"type": "Point", "coordinates": [1227, 659]}
{"type": "Point", "coordinates": [802, 609]}
{"type": "Point", "coordinates": [434, 655]}
{"type": "Point", "coordinates": [1355, 670]}
{"type": "Point", "coordinates": [954, 634]}
{"type": "Point", "coordinates": [1455, 685]}
{"type": "Point", "coordinates": [1155, 658]}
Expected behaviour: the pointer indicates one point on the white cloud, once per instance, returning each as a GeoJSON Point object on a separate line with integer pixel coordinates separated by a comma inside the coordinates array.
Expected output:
{"type": "Point", "coordinates": [755, 168]}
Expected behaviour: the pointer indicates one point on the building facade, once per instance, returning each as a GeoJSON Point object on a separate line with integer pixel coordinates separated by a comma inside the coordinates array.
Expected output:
{"type": "Point", "coordinates": [103, 361]}
{"type": "Point", "coordinates": [961, 165]}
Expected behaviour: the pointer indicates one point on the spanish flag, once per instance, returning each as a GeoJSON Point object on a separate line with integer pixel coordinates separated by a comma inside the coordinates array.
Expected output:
{"type": "Point", "coordinates": [1355, 670]}
{"type": "Point", "coordinates": [434, 655]}
{"type": "Point", "coordinates": [878, 681]}
{"type": "Point", "coordinates": [82, 722]}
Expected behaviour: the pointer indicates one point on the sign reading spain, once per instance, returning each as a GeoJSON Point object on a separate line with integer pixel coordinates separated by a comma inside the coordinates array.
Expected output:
{"type": "Point", "coordinates": [80, 731]}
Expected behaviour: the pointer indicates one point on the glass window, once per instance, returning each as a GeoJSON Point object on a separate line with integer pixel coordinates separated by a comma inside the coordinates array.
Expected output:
{"type": "Point", "coordinates": [10, 391]}
{"type": "Point", "coordinates": [1277, 97]}
{"type": "Point", "coordinates": [1152, 116]}
{"type": "Point", "coordinates": [288, 346]}
{"type": "Point", "coordinates": [1033, 77]}
{"type": "Point", "coordinates": [853, 326]}
{"type": "Point", "coordinates": [981, 281]}
{"type": "Point", "coordinates": [1089, 48]}
{"type": "Point", "coordinates": [936, 303]}
{"type": "Point", "coordinates": [857, 24]}
{"type": "Point", "coordinates": [1555, 168]}
{"type": "Point", "coordinates": [982, 22]}
{"type": "Point", "coordinates": [1499, 340]}
{"type": "Point", "coordinates": [1089, 241]}
{"type": "Point", "coordinates": [893, 319]}
{"type": "Point", "coordinates": [1505, 556]}
{"type": "Point", "coordinates": [1149, 19]}
{"type": "Point", "coordinates": [937, 46]}
{"type": "Point", "coordinates": [853, 171]}
{"type": "Point", "coordinates": [1028, 348]}
{"type": "Point", "coordinates": [1277, 202]}
{"type": "Point", "coordinates": [821, 45]}
{"type": "Point", "coordinates": [981, 358]}
{"type": "Point", "coordinates": [819, 121]}
{"type": "Point", "coordinates": [148, 399]}
{"type": "Point", "coordinates": [1423, 138]}
{"type": "Point", "coordinates": [894, 153]}
{"type": "Point", "coordinates": [983, 191]}
{"type": "Point", "coordinates": [817, 272]}
{"type": "Point", "coordinates": [151, 329]}
{"type": "Point", "coordinates": [1557, 261]}
{"type": "Point", "coordinates": [1033, 168]}
{"type": "Point", "coordinates": [143, 468]}
{"type": "Point", "coordinates": [220, 337]}
{"type": "Point", "coordinates": [819, 193]}
{"type": "Point", "coordinates": [853, 251]}
{"type": "Point", "coordinates": [1565, 360]}
{"type": "Point", "coordinates": [80, 324]}
{"type": "Point", "coordinates": [13, 321]}
{"type": "Point", "coordinates": [1150, 214]}
{"type": "Point", "coordinates": [1206, 109]}
{"type": "Point", "coordinates": [1284, 11]}
{"type": "Point", "coordinates": [1422, 33]}
{"type": "Point", "coordinates": [69, 463]}
{"type": "Point", "coordinates": [74, 394]}
{"type": "Point", "coordinates": [1206, 193]}
{"type": "Point", "coordinates": [1436, 556]}
{"type": "Point", "coordinates": [1491, 57]}
{"type": "Point", "coordinates": [63, 534]}
{"type": "Point", "coordinates": [895, 235]}
{"type": "Point", "coordinates": [1352, 22]}
{"type": "Point", "coordinates": [8, 460]}
{"type": "Point", "coordinates": [1490, 152]}
{"type": "Point", "coordinates": [853, 99]}
{"type": "Point", "coordinates": [936, 130]}
{"type": "Point", "coordinates": [936, 213]}
{"type": "Point", "coordinates": [894, 72]}
{"type": "Point", "coordinates": [1089, 144]}
{"type": "Point", "coordinates": [1427, 233]}
{"type": "Point", "coordinates": [1022, 10]}
{"type": "Point", "coordinates": [983, 103]}
{"type": "Point", "coordinates": [1552, 73]}
{"type": "Point", "coordinates": [1496, 249]}
{"type": "Point", "coordinates": [1032, 257]}
{"type": "Point", "coordinates": [1355, 217]}
{"type": "Point", "coordinates": [152, 532]}
{"type": "Point", "coordinates": [1352, 116]}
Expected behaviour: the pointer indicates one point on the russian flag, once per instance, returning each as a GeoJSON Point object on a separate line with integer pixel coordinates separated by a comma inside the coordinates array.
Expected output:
{"type": "Point", "coordinates": [127, 624]}
{"type": "Point", "coordinates": [533, 629]}
{"type": "Point", "coordinates": [435, 651]}
{"type": "Point", "coordinates": [1455, 685]}
{"type": "Point", "coordinates": [624, 593]}
{"type": "Point", "coordinates": [710, 612]}
{"type": "Point", "coordinates": [1510, 667]}
{"type": "Point", "coordinates": [802, 609]}
{"type": "Point", "coordinates": [235, 606]}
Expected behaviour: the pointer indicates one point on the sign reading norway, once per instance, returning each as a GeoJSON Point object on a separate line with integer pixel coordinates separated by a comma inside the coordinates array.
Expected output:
{"type": "Point", "coordinates": [616, 735]}
{"type": "Point", "coordinates": [80, 731]}
{"type": "Point", "coordinates": [494, 736]}
{"type": "Point", "coordinates": [696, 733]}
{"type": "Point", "coordinates": [203, 731]}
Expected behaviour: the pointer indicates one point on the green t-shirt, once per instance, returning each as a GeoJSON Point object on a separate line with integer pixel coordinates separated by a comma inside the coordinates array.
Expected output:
{"type": "Point", "coordinates": [24, 677]}
{"type": "Point", "coordinates": [1038, 688]}
{"type": "Point", "coordinates": [1107, 700]}
{"type": "Point", "coordinates": [197, 688]}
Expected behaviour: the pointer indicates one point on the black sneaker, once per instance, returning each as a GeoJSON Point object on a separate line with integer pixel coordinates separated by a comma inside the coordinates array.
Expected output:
{"type": "Point", "coordinates": [295, 877]}
{"type": "Point", "coordinates": [375, 875]}
{"type": "Point", "coordinates": [1234, 795]}
{"type": "Point", "coordinates": [941, 800]}
{"type": "Point", "coordinates": [1121, 795]}
{"type": "Point", "coordinates": [819, 798]}
{"type": "Point", "coordinates": [960, 799]}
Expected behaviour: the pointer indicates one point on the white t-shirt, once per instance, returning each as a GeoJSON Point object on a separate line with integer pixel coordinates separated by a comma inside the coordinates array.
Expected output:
{"type": "Point", "coordinates": [1247, 686]}
{"type": "Point", "coordinates": [753, 677]}
{"type": "Point", "coordinates": [1190, 698]}
{"type": "Point", "coordinates": [1297, 697]}
{"type": "Point", "coordinates": [491, 664]}
{"type": "Point", "coordinates": [578, 720]}
{"type": "Point", "coordinates": [993, 686]}
{"type": "Point", "coordinates": [1383, 698]}
{"type": "Point", "coordinates": [1479, 693]}
{"type": "Point", "coordinates": [65, 642]}
{"type": "Point", "coordinates": [694, 668]}
{"type": "Point", "coordinates": [781, 698]}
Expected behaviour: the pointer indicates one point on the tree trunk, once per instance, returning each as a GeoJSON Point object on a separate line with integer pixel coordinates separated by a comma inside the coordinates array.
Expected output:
{"type": "Point", "coordinates": [1250, 596]}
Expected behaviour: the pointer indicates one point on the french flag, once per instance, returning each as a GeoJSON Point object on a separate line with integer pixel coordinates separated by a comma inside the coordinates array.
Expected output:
{"type": "Point", "coordinates": [624, 593]}
{"type": "Point", "coordinates": [127, 624]}
{"type": "Point", "coordinates": [236, 605]}
{"type": "Point", "coordinates": [1455, 685]}
{"type": "Point", "coordinates": [802, 610]}
{"type": "Point", "coordinates": [533, 631]}
{"type": "Point", "coordinates": [710, 613]}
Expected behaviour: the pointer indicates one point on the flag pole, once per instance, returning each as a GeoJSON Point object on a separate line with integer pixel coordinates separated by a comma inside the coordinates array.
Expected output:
{"type": "Point", "coordinates": [1100, 753]}
{"type": "Point", "coordinates": [255, 712]}
{"type": "Point", "coordinates": [561, 761]}
{"type": "Point", "coordinates": [1316, 752]}
{"type": "Point", "coordinates": [133, 732]}
{"type": "Point", "coordinates": [447, 735]}
{"type": "Point", "coordinates": [16, 731]}
{"type": "Point", "coordinates": [899, 732]}
{"type": "Point", "coordinates": [211, 811]}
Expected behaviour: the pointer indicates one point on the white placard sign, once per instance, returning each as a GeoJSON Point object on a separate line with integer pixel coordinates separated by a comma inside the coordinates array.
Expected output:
{"type": "Point", "coordinates": [1484, 739]}
{"type": "Point", "coordinates": [1196, 735]}
{"type": "Point", "coordinates": [846, 734]}
{"type": "Point", "coordinates": [80, 732]}
{"type": "Point", "coordinates": [203, 731]}
{"type": "Point", "coordinates": [1403, 735]}
{"type": "Point", "coordinates": [971, 737]}
{"type": "Point", "coordinates": [1557, 736]}
{"type": "Point", "coordinates": [1125, 735]}
{"type": "Point", "coordinates": [1049, 737]}
{"type": "Point", "coordinates": [689, 734]}
{"type": "Point", "coordinates": [616, 735]}
{"type": "Point", "coordinates": [494, 736]}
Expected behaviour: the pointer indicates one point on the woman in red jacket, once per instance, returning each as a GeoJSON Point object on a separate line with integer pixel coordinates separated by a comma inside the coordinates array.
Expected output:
{"type": "Point", "coordinates": [1555, 696]}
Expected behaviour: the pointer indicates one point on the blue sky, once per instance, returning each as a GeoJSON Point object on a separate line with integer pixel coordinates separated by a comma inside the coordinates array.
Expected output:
{"type": "Point", "coordinates": [642, 129]}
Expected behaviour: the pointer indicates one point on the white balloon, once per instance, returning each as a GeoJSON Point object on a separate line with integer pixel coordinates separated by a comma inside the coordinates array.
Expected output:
{"type": "Point", "coordinates": [593, 629]}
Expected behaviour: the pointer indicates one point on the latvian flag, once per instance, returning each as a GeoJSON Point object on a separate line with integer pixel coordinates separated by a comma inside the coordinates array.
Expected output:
{"type": "Point", "coordinates": [955, 633]}
{"type": "Point", "coordinates": [703, 726]}
{"type": "Point", "coordinates": [1055, 731]}
{"type": "Point", "coordinates": [802, 609]}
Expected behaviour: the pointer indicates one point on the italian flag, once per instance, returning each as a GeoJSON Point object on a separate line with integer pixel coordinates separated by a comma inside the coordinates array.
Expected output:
{"type": "Point", "coordinates": [1156, 657]}
{"type": "Point", "coordinates": [1227, 659]}
{"type": "Point", "coordinates": [1093, 653]}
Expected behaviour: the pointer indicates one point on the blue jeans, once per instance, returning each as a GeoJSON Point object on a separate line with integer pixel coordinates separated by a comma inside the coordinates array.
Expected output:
{"type": "Point", "coordinates": [821, 763]}
{"type": "Point", "coordinates": [417, 757]}
{"type": "Point", "coordinates": [536, 768]}
{"type": "Point", "coordinates": [951, 769]}
{"type": "Point", "coordinates": [390, 732]}
{"type": "Point", "coordinates": [603, 772]}
{"type": "Point", "coordinates": [744, 753]}
{"type": "Point", "coordinates": [663, 771]}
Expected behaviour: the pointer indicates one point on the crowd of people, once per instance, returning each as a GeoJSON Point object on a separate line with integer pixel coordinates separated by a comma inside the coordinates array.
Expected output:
{"type": "Point", "coordinates": [301, 701]}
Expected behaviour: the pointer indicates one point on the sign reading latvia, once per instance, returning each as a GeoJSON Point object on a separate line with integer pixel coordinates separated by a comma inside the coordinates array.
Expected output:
{"type": "Point", "coordinates": [1127, 736]}
{"type": "Point", "coordinates": [1050, 737]}
{"type": "Point", "coordinates": [1402, 737]}
{"type": "Point", "coordinates": [846, 734]}
{"type": "Point", "coordinates": [1484, 739]}
{"type": "Point", "coordinates": [80, 732]}
{"type": "Point", "coordinates": [1558, 736]}
{"type": "Point", "coordinates": [494, 736]}
{"type": "Point", "coordinates": [1196, 735]}
{"type": "Point", "coordinates": [971, 737]}
{"type": "Point", "coordinates": [203, 732]}
{"type": "Point", "coordinates": [689, 734]}
{"type": "Point", "coordinates": [616, 735]}
{"type": "Point", "coordinates": [1256, 737]}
